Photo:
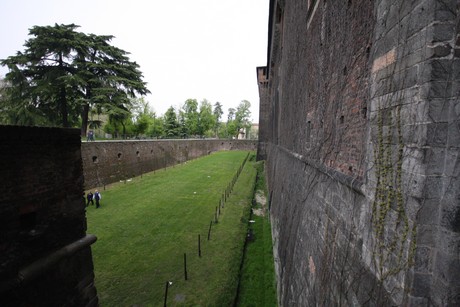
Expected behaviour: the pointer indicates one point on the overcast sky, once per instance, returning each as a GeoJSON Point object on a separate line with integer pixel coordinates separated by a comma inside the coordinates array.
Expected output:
{"type": "Point", "coordinates": [185, 48]}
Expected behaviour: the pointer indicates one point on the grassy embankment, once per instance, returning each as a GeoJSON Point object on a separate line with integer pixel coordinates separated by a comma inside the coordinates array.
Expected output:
{"type": "Point", "coordinates": [145, 226]}
{"type": "Point", "coordinates": [257, 285]}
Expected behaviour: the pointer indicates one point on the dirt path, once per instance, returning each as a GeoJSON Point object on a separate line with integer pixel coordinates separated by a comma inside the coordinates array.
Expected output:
{"type": "Point", "coordinates": [262, 201]}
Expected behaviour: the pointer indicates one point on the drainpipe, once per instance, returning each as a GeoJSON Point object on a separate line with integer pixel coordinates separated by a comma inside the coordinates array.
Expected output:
{"type": "Point", "coordinates": [39, 267]}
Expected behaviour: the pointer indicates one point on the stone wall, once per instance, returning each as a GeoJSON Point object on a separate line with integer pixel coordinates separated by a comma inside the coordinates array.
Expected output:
{"type": "Point", "coordinates": [111, 161]}
{"type": "Point", "coordinates": [360, 104]}
{"type": "Point", "coordinates": [45, 255]}
{"type": "Point", "coordinates": [264, 125]}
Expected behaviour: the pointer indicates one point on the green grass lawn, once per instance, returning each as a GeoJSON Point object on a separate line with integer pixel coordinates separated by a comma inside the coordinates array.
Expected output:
{"type": "Point", "coordinates": [257, 285]}
{"type": "Point", "coordinates": [145, 226]}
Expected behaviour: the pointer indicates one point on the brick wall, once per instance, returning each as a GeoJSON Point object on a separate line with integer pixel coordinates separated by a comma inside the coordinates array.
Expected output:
{"type": "Point", "coordinates": [362, 143]}
{"type": "Point", "coordinates": [45, 258]}
{"type": "Point", "coordinates": [112, 161]}
{"type": "Point", "coordinates": [264, 111]}
{"type": "Point", "coordinates": [414, 116]}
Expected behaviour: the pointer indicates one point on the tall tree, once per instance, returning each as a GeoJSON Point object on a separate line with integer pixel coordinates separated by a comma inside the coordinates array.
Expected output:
{"type": "Point", "coordinates": [231, 129]}
{"type": "Point", "coordinates": [62, 72]}
{"type": "Point", "coordinates": [143, 117]}
{"type": "Point", "coordinates": [106, 70]}
{"type": "Point", "coordinates": [43, 76]}
{"type": "Point", "coordinates": [217, 115]}
{"type": "Point", "coordinates": [206, 119]}
{"type": "Point", "coordinates": [242, 115]}
{"type": "Point", "coordinates": [189, 116]}
{"type": "Point", "coordinates": [171, 125]}
{"type": "Point", "coordinates": [157, 128]}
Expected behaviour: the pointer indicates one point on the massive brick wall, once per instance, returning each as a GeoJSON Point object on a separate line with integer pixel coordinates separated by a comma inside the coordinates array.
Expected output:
{"type": "Point", "coordinates": [264, 125]}
{"type": "Point", "coordinates": [112, 161]}
{"type": "Point", "coordinates": [414, 122]}
{"type": "Point", "coordinates": [362, 143]}
{"type": "Point", "coordinates": [45, 258]}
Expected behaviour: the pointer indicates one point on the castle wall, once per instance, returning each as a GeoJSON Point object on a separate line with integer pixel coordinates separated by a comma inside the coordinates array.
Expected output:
{"type": "Point", "coordinates": [361, 147]}
{"type": "Point", "coordinates": [111, 161]}
{"type": "Point", "coordinates": [45, 255]}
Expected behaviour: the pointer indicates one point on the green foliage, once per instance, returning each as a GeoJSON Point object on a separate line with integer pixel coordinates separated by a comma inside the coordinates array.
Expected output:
{"type": "Point", "coordinates": [143, 122]}
{"type": "Point", "coordinates": [395, 238]}
{"type": "Point", "coordinates": [238, 119]}
{"type": "Point", "coordinates": [171, 125]}
{"type": "Point", "coordinates": [217, 112]}
{"type": "Point", "coordinates": [157, 128]}
{"type": "Point", "coordinates": [63, 72]}
{"type": "Point", "coordinates": [146, 225]}
{"type": "Point", "coordinates": [143, 117]}
{"type": "Point", "coordinates": [231, 129]}
{"type": "Point", "coordinates": [190, 117]}
{"type": "Point", "coordinates": [206, 119]}
{"type": "Point", "coordinates": [194, 120]}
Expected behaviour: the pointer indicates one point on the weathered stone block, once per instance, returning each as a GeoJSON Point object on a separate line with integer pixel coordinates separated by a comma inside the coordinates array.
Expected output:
{"type": "Point", "coordinates": [417, 301]}
{"type": "Point", "coordinates": [448, 241]}
{"type": "Point", "coordinates": [439, 110]}
{"type": "Point", "coordinates": [437, 134]}
{"type": "Point", "coordinates": [421, 285]}
{"type": "Point", "coordinates": [441, 32]}
{"type": "Point", "coordinates": [446, 268]}
{"type": "Point", "coordinates": [445, 10]}
{"type": "Point", "coordinates": [434, 187]}
{"type": "Point", "coordinates": [429, 213]}
{"type": "Point", "coordinates": [422, 15]}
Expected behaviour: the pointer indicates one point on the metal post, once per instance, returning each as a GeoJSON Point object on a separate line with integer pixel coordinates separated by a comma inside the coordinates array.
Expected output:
{"type": "Point", "coordinates": [209, 231]}
{"type": "Point", "coordinates": [185, 266]}
{"type": "Point", "coordinates": [166, 293]}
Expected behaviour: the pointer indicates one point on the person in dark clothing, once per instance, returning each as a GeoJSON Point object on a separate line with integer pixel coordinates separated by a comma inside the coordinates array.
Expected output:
{"type": "Point", "coordinates": [89, 199]}
{"type": "Point", "coordinates": [97, 197]}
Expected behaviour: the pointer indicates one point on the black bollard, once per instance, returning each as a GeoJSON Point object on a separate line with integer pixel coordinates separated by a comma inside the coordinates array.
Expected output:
{"type": "Point", "coordinates": [166, 293]}
{"type": "Point", "coordinates": [209, 231]}
{"type": "Point", "coordinates": [185, 266]}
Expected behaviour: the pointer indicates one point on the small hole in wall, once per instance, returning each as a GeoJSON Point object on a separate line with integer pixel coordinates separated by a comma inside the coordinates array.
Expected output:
{"type": "Point", "coordinates": [151, 151]}
{"type": "Point", "coordinates": [345, 71]}
{"type": "Point", "coordinates": [95, 159]}
{"type": "Point", "coordinates": [342, 119]}
{"type": "Point", "coordinates": [350, 168]}
{"type": "Point", "coordinates": [28, 220]}
{"type": "Point", "coordinates": [138, 153]}
{"type": "Point", "coordinates": [119, 155]}
{"type": "Point", "coordinates": [364, 112]}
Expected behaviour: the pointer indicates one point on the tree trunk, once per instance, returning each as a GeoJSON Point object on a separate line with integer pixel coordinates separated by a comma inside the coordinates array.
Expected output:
{"type": "Point", "coordinates": [84, 119]}
{"type": "Point", "coordinates": [85, 112]}
{"type": "Point", "coordinates": [63, 107]}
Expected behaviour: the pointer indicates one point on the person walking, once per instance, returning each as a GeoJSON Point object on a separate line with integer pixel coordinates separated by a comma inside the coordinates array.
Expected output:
{"type": "Point", "coordinates": [89, 199]}
{"type": "Point", "coordinates": [97, 197]}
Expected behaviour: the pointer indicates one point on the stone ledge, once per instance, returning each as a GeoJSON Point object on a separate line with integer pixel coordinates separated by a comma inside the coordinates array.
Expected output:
{"type": "Point", "coordinates": [351, 182]}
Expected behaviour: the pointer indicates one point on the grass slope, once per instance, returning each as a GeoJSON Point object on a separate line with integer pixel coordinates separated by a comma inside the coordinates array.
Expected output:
{"type": "Point", "coordinates": [257, 286]}
{"type": "Point", "coordinates": [145, 226]}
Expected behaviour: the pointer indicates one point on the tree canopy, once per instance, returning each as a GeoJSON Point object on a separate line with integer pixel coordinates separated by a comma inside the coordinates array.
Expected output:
{"type": "Point", "coordinates": [62, 73]}
{"type": "Point", "coordinates": [239, 119]}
